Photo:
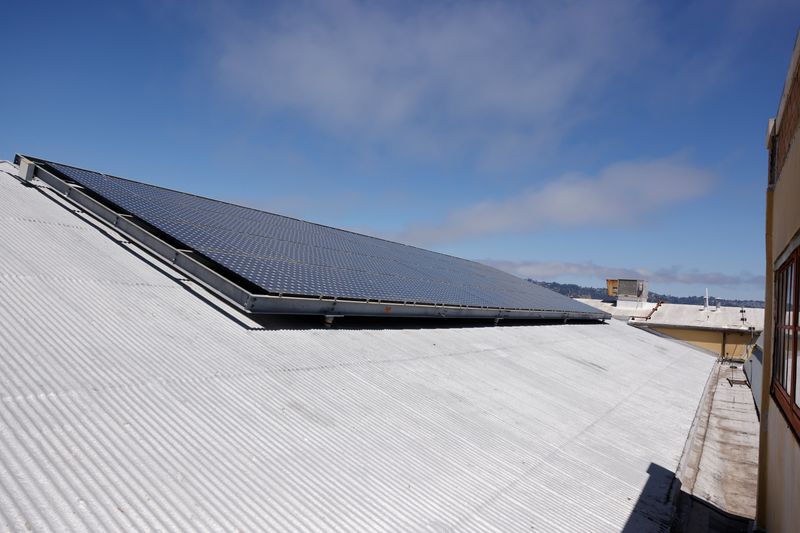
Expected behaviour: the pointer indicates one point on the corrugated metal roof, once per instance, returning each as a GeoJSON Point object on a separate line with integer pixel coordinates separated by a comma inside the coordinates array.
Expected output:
{"type": "Point", "coordinates": [131, 404]}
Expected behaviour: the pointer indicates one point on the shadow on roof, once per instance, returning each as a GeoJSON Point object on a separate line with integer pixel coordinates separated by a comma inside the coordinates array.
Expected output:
{"type": "Point", "coordinates": [274, 322]}
{"type": "Point", "coordinates": [663, 506]}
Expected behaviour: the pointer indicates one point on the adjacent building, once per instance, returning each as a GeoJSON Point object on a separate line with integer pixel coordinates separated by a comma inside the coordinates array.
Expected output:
{"type": "Point", "coordinates": [727, 332]}
{"type": "Point", "coordinates": [779, 460]}
{"type": "Point", "coordinates": [628, 293]}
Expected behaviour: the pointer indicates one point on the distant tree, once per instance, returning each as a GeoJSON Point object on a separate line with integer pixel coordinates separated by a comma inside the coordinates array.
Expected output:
{"type": "Point", "coordinates": [576, 291]}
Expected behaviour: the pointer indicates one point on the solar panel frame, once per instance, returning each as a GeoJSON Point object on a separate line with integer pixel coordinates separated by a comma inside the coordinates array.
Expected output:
{"type": "Point", "coordinates": [275, 262]}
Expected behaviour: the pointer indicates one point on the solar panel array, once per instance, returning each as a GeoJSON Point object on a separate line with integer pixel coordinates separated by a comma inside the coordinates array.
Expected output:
{"type": "Point", "coordinates": [286, 256]}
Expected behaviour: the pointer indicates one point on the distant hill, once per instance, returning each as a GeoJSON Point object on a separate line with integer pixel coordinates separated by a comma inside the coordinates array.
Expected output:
{"type": "Point", "coordinates": [577, 291]}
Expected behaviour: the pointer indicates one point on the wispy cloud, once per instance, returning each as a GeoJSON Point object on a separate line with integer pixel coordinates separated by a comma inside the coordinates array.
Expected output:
{"type": "Point", "coordinates": [551, 270]}
{"type": "Point", "coordinates": [489, 76]}
{"type": "Point", "coordinates": [622, 193]}
{"type": "Point", "coordinates": [494, 81]}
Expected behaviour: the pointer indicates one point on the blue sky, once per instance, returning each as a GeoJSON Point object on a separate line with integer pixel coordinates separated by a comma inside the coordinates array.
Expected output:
{"type": "Point", "coordinates": [565, 142]}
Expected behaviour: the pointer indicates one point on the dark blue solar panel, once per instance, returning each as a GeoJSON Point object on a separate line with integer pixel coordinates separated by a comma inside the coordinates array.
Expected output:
{"type": "Point", "coordinates": [282, 255]}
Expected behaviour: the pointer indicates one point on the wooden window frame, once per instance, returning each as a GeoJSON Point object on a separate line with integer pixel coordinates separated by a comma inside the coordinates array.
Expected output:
{"type": "Point", "coordinates": [787, 401]}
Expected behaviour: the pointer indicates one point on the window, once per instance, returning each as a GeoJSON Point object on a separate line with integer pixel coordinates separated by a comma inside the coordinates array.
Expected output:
{"type": "Point", "coordinates": [785, 377]}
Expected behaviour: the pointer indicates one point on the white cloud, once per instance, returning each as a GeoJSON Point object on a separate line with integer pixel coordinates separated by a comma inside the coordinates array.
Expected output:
{"type": "Point", "coordinates": [487, 76]}
{"type": "Point", "coordinates": [493, 81]}
{"type": "Point", "coordinates": [551, 270]}
{"type": "Point", "coordinates": [622, 193]}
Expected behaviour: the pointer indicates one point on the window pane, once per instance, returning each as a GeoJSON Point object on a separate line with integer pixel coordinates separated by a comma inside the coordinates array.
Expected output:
{"type": "Point", "coordinates": [796, 385]}
{"type": "Point", "coordinates": [791, 367]}
{"type": "Point", "coordinates": [789, 294]}
{"type": "Point", "coordinates": [779, 292]}
{"type": "Point", "coordinates": [784, 301]}
{"type": "Point", "coordinates": [777, 340]}
{"type": "Point", "coordinates": [777, 348]}
{"type": "Point", "coordinates": [789, 347]}
{"type": "Point", "coordinates": [784, 340]}
{"type": "Point", "coordinates": [787, 380]}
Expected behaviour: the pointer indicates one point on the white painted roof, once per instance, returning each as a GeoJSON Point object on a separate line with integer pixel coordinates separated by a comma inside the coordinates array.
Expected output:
{"type": "Point", "coordinates": [694, 316]}
{"type": "Point", "coordinates": [129, 403]}
{"type": "Point", "coordinates": [711, 318]}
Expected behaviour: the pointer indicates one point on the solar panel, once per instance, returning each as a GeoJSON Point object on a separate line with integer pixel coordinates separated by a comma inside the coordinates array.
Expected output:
{"type": "Point", "coordinates": [286, 257]}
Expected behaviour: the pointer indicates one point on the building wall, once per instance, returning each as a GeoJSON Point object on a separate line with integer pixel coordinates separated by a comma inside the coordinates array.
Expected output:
{"type": "Point", "coordinates": [783, 474]}
{"type": "Point", "coordinates": [754, 370]}
{"type": "Point", "coordinates": [780, 465]}
{"type": "Point", "coordinates": [736, 345]}
{"type": "Point", "coordinates": [786, 197]}
{"type": "Point", "coordinates": [712, 340]}
{"type": "Point", "coordinates": [779, 452]}
{"type": "Point", "coordinates": [706, 339]}
{"type": "Point", "coordinates": [789, 115]}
